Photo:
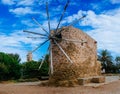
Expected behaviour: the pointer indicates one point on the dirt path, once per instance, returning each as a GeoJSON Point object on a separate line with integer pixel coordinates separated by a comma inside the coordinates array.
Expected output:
{"type": "Point", "coordinates": [112, 88]}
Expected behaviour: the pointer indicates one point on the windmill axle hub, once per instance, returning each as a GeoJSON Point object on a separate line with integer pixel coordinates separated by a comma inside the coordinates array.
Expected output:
{"type": "Point", "coordinates": [56, 37]}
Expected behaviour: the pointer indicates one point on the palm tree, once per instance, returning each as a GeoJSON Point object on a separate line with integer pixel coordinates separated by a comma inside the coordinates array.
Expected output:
{"type": "Point", "coordinates": [44, 70]}
{"type": "Point", "coordinates": [117, 59]}
{"type": "Point", "coordinates": [106, 60]}
{"type": "Point", "coordinates": [15, 57]}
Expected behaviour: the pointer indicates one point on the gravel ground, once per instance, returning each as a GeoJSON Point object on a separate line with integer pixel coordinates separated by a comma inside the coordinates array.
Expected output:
{"type": "Point", "coordinates": [112, 87]}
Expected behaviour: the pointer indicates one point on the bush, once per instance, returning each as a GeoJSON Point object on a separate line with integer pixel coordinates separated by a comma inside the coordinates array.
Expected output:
{"type": "Point", "coordinates": [30, 69]}
{"type": "Point", "coordinates": [9, 67]}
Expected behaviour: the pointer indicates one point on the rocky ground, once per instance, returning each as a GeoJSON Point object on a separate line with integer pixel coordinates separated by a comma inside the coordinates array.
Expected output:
{"type": "Point", "coordinates": [34, 88]}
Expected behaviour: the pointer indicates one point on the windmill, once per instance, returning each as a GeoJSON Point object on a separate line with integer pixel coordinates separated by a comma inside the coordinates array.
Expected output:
{"type": "Point", "coordinates": [54, 36]}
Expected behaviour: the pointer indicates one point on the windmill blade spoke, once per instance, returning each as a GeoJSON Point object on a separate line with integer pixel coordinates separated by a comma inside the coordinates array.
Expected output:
{"type": "Point", "coordinates": [62, 15]}
{"type": "Point", "coordinates": [49, 48]}
{"type": "Point", "coordinates": [41, 63]}
{"type": "Point", "coordinates": [74, 22]}
{"type": "Point", "coordinates": [59, 32]}
{"type": "Point", "coordinates": [38, 37]}
{"type": "Point", "coordinates": [40, 45]}
{"type": "Point", "coordinates": [82, 41]}
{"type": "Point", "coordinates": [48, 18]}
{"type": "Point", "coordinates": [63, 51]}
{"type": "Point", "coordinates": [51, 61]}
{"type": "Point", "coordinates": [49, 72]}
{"type": "Point", "coordinates": [39, 25]}
{"type": "Point", "coordinates": [34, 33]}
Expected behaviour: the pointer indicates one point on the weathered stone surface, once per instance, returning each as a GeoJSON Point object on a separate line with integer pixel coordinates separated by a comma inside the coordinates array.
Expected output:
{"type": "Point", "coordinates": [29, 56]}
{"type": "Point", "coordinates": [64, 83]}
{"type": "Point", "coordinates": [83, 55]}
{"type": "Point", "coordinates": [94, 79]}
{"type": "Point", "coordinates": [83, 81]}
{"type": "Point", "coordinates": [98, 79]}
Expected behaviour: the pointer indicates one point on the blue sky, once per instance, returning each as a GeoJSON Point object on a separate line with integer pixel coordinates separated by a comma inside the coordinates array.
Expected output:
{"type": "Point", "coordinates": [102, 23]}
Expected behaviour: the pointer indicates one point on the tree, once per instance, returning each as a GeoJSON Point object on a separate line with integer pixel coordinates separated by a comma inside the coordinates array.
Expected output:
{"type": "Point", "coordinates": [117, 59]}
{"type": "Point", "coordinates": [45, 67]}
{"type": "Point", "coordinates": [3, 71]}
{"type": "Point", "coordinates": [106, 60]}
{"type": "Point", "coordinates": [31, 69]}
{"type": "Point", "coordinates": [15, 57]}
{"type": "Point", "coordinates": [10, 68]}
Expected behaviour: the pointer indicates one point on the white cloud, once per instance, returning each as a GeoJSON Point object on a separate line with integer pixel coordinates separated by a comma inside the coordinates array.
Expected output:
{"type": "Point", "coordinates": [17, 42]}
{"type": "Point", "coordinates": [74, 17]}
{"type": "Point", "coordinates": [26, 2]}
{"type": "Point", "coordinates": [115, 1]}
{"type": "Point", "coordinates": [106, 29]}
{"type": "Point", "coordinates": [28, 23]}
{"type": "Point", "coordinates": [95, 6]}
{"type": "Point", "coordinates": [8, 2]}
{"type": "Point", "coordinates": [53, 24]}
{"type": "Point", "coordinates": [23, 11]}
{"type": "Point", "coordinates": [106, 39]}
{"type": "Point", "coordinates": [11, 44]}
{"type": "Point", "coordinates": [19, 2]}
{"type": "Point", "coordinates": [103, 21]}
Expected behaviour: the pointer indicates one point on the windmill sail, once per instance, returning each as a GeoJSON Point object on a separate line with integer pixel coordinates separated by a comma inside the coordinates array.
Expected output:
{"type": "Point", "coordinates": [76, 21]}
{"type": "Point", "coordinates": [40, 45]}
{"type": "Point", "coordinates": [48, 18]}
{"type": "Point", "coordinates": [54, 37]}
{"type": "Point", "coordinates": [34, 33]}
{"type": "Point", "coordinates": [63, 51]}
{"type": "Point", "coordinates": [39, 25]}
{"type": "Point", "coordinates": [51, 60]}
{"type": "Point", "coordinates": [62, 15]}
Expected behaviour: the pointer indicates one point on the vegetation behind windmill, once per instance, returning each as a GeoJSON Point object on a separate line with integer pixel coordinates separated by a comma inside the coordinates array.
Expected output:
{"type": "Point", "coordinates": [113, 67]}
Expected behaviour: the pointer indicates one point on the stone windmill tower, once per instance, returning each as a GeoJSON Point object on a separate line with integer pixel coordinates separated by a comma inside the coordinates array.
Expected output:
{"type": "Point", "coordinates": [72, 53]}
{"type": "Point", "coordinates": [29, 57]}
{"type": "Point", "coordinates": [81, 62]}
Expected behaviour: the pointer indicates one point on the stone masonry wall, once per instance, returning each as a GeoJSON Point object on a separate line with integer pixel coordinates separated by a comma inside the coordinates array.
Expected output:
{"type": "Point", "coordinates": [83, 55]}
